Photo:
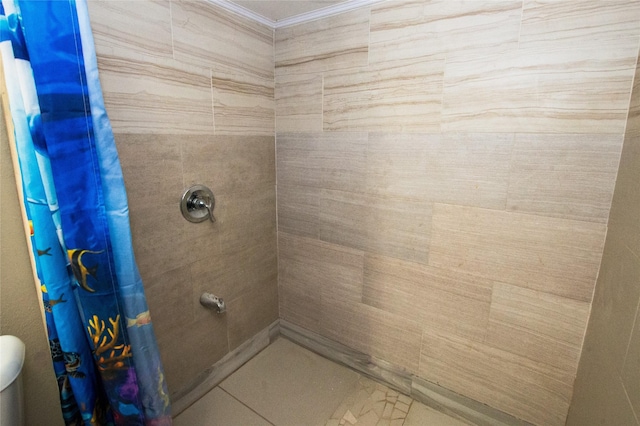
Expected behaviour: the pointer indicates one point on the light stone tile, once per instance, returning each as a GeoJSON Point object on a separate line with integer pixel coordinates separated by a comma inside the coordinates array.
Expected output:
{"type": "Point", "coordinates": [243, 104]}
{"type": "Point", "coordinates": [168, 296]}
{"type": "Point", "coordinates": [535, 392]}
{"type": "Point", "coordinates": [411, 29]}
{"type": "Point", "coordinates": [207, 35]}
{"type": "Point", "coordinates": [325, 160]}
{"type": "Point", "coordinates": [467, 169]}
{"type": "Point", "coordinates": [557, 256]}
{"type": "Point", "coordinates": [631, 370]}
{"type": "Point", "coordinates": [578, 90]}
{"type": "Point", "coordinates": [252, 311]}
{"type": "Point", "coordinates": [419, 415]}
{"type": "Point", "coordinates": [137, 30]}
{"type": "Point", "coordinates": [539, 326]}
{"type": "Point", "coordinates": [300, 306]}
{"type": "Point", "coordinates": [564, 24]}
{"type": "Point", "coordinates": [299, 210]}
{"type": "Point", "coordinates": [275, 383]}
{"type": "Point", "coordinates": [332, 43]}
{"type": "Point", "coordinates": [219, 405]}
{"type": "Point", "coordinates": [570, 176]}
{"type": "Point", "coordinates": [160, 97]}
{"type": "Point", "coordinates": [436, 299]}
{"type": "Point", "coordinates": [400, 96]}
{"type": "Point", "coordinates": [298, 99]}
{"type": "Point", "coordinates": [373, 331]}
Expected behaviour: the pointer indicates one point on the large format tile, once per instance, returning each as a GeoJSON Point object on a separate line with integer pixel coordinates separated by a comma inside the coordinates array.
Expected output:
{"type": "Point", "coordinates": [436, 299]}
{"type": "Point", "coordinates": [218, 407]}
{"type": "Point", "coordinates": [298, 210]}
{"type": "Point", "coordinates": [570, 176]}
{"type": "Point", "coordinates": [557, 256]}
{"type": "Point", "coordinates": [631, 370]}
{"type": "Point", "coordinates": [421, 415]}
{"type": "Point", "coordinates": [526, 389]}
{"type": "Point", "coordinates": [289, 385]}
{"type": "Point", "coordinates": [252, 311]}
{"type": "Point", "coordinates": [298, 102]}
{"type": "Point", "coordinates": [400, 96]}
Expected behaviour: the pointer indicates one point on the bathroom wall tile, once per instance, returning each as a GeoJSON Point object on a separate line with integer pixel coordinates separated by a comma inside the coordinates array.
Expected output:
{"type": "Point", "coordinates": [410, 29]}
{"type": "Point", "coordinates": [373, 331]}
{"type": "Point", "coordinates": [300, 307]}
{"type": "Point", "coordinates": [578, 90]}
{"type": "Point", "coordinates": [243, 104]}
{"type": "Point", "coordinates": [160, 97]}
{"type": "Point", "coordinates": [336, 42]}
{"type": "Point", "coordinates": [534, 392]}
{"type": "Point", "coordinates": [557, 256]}
{"type": "Point", "coordinates": [469, 169]}
{"type": "Point", "coordinates": [393, 226]}
{"type": "Point", "coordinates": [299, 210]}
{"type": "Point", "coordinates": [539, 326]}
{"type": "Point", "coordinates": [169, 299]}
{"type": "Point", "coordinates": [631, 370]}
{"type": "Point", "coordinates": [327, 271]}
{"type": "Point", "coordinates": [252, 311]}
{"type": "Point", "coordinates": [437, 299]}
{"type": "Point", "coordinates": [137, 30]}
{"type": "Point", "coordinates": [207, 35]}
{"type": "Point", "coordinates": [564, 24]}
{"type": "Point", "coordinates": [229, 164]}
{"type": "Point", "coordinates": [570, 176]}
{"type": "Point", "coordinates": [191, 349]}
{"type": "Point", "coordinates": [326, 160]}
{"type": "Point", "coordinates": [633, 120]}
{"type": "Point", "coordinates": [400, 96]}
{"type": "Point", "coordinates": [298, 102]}
{"type": "Point", "coordinates": [150, 161]}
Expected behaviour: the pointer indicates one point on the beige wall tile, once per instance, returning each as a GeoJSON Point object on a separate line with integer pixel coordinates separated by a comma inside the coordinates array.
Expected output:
{"type": "Point", "coordinates": [633, 121]}
{"type": "Point", "coordinates": [160, 97]}
{"type": "Point", "coordinates": [570, 176]}
{"type": "Point", "coordinates": [578, 90]}
{"type": "Point", "coordinates": [207, 35]}
{"type": "Point", "coordinates": [535, 392]}
{"type": "Point", "coordinates": [468, 169]}
{"type": "Point", "coordinates": [252, 311]}
{"type": "Point", "coordinates": [563, 24]}
{"type": "Point", "coordinates": [557, 256]}
{"type": "Point", "coordinates": [170, 301]}
{"type": "Point", "coordinates": [137, 30]}
{"type": "Point", "coordinates": [326, 160]}
{"type": "Point", "coordinates": [436, 299]}
{"type": "Point", "coordinates": [336, 42]}
{"type": "Point", "coordinates": [631, 370]}
{"type": "Point", "coordinates": [400, 96]}
{"type": "Point", "coordinates": [300, 307]}
{"type": "Point", "coordinates": [299, 210]}
{"type": "Point", "coordinates": [243, 104]}
{"type": "Point", "coordinates": [298, 102]}
{"type": "Point", "coordinates": [540, 326]}
{"type": "Point", "coordinates": [410, 29]}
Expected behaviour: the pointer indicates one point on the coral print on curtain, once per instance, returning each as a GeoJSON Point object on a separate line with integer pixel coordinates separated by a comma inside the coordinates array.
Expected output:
{"type": "Point", "coordinates": [103, 347]}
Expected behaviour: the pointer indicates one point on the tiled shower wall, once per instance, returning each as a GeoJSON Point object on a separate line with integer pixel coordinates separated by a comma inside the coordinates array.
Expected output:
{"type": "Point", "coordinates": [189, 91]}
{"type": "Point", "coordinates": [445, 171]}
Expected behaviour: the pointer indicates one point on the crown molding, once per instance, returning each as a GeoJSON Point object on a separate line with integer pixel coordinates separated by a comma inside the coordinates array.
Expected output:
{"type": "Point", "coordinates": [335, 9]}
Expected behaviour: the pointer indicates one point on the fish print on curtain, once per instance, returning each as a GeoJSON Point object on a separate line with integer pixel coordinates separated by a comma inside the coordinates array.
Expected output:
{"type": "Point", "coordinates": [102, 342]}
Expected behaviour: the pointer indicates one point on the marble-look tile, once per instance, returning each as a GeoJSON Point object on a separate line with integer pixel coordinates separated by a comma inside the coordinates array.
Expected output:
{"type": "Point", "coordinates": [300, 306]}
{"type": "Point", "coordinates": [539, 326]}
{"type": "Point", "coordinates": [325, 160]}
{"type": "Point", "coordinates": [298, 210]}
{"type": "Point", "coordinates": [298, 102]}
{"type": "Point", "coordinates": [633, 120]}
{"type": "Point", "coordinates": [276, 382]}
{"type": "Point", "coordinates": [578, 90]}
{"type": "Point", "coordinates": [137, 30]}
{"type": "Point", "coordinates": [373, 331]}
{"type": "Point", "coordinates": [631, 369]}
{"type": "Point", "coordinates": [252, 311]}
{"type": "Point", "coordinates": [436, 299]}
{"type": "Point", "coordinates": [336, 42]}
{"type": "Point", "coordinates": [564, 24]}
{"type": "Point", "coordinates": [468, 169]}
{"type": "Point", "coordinates": [205, 34]}
{"type": "Point", "coordinates": [243, 104]}
{"type": "Point", "coordinates": [401, 96]}
{"type": "Point", "coordinates": [535, 392]}
{"type": "Point", "coordinates": [164, 96]}
{"type": "Point", "coordinates": [225, 409]}
{"type": "Point", "coordinates": [570, 176]}
{"type": "Point", "coordinates": [557, 256]}
{"type": "Point", "coordinates": [411, 29]}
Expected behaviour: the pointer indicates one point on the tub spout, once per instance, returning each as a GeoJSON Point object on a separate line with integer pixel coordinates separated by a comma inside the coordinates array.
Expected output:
{"type": "Point", "coordinates": [216, 303]}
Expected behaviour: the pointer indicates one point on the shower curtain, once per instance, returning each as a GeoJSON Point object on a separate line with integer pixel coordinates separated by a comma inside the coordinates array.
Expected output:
{"type": "Point", "coordinates": [102, 343]}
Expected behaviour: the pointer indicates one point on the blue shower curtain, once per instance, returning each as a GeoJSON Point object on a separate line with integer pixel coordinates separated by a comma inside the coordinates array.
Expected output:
{"type": "Point", "coordinates": [102, 343]}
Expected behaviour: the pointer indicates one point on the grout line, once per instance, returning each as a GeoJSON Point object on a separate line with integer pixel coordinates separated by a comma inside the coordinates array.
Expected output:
{"type": "Point", "coordinates": [251, 409]}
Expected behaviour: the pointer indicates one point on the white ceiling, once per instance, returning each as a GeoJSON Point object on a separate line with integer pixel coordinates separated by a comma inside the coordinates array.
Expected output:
{"type": "Point", "coordinates": [277, 10]}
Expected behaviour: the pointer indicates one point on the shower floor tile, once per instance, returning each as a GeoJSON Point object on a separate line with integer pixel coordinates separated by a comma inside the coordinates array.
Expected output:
{"type": "Point", "coordinates": [287, 385]}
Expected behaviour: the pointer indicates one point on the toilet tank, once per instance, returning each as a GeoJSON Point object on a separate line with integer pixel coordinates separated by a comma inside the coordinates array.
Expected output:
{"type": "Point", "coordinates": [11, 362]}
